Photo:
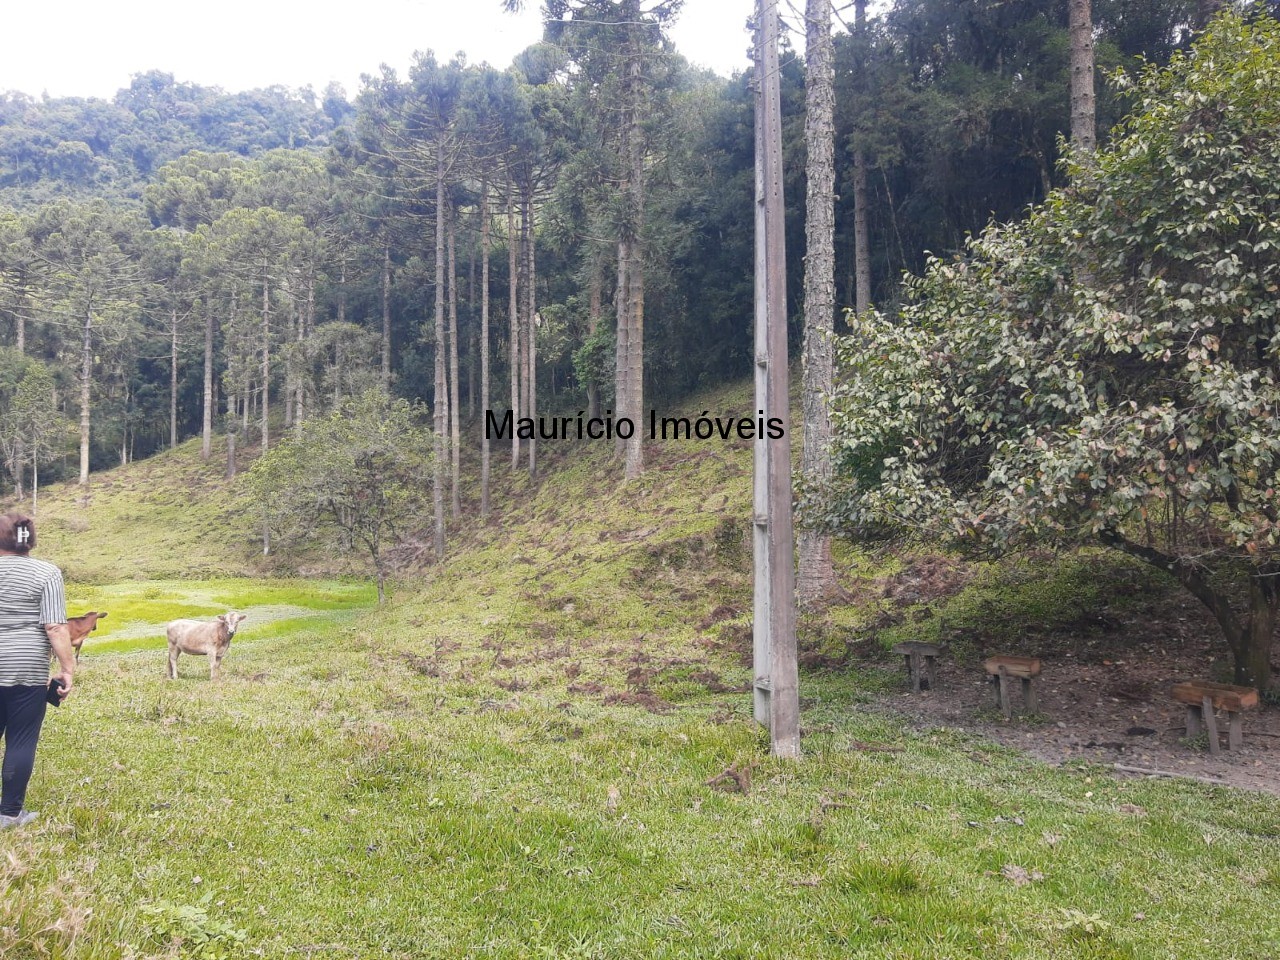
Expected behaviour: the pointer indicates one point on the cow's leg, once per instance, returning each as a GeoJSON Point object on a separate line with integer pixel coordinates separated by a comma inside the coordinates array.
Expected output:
{"type": "Point", "coordinates": [173, 662]}
{"type": "Point", "coordinates": [215, 661]}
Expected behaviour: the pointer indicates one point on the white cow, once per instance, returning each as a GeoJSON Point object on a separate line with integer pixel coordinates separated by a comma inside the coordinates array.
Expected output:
{"type": "Point", "coordinates": [210, 639]}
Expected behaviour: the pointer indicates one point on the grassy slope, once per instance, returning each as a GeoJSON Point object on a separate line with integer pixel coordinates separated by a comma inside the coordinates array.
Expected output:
{"type": "Point", "coordinates": [512, 761]}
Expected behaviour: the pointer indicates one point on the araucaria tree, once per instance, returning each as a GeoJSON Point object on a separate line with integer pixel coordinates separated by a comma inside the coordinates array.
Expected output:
{"type": "Point", "coordinates": [367, 485]}
{"type": "Point", "coordinates": [1109, 371]}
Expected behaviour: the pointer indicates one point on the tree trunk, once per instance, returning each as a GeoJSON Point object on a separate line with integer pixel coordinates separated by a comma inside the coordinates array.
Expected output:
{"type": "Point", "coordinates": [386, 316]}
{"type": "Point", "coordinates": [484, 346]}
{"type": "Point", "coordinates": [206, 417]}
{"type": "Point", "coordinates": [635, 278]}
{"type": "Point", "coordinates": [441, 398]}
{"type": "Point", "coordinates": [513, 313]}
{"type": "Point", "coordinates": [306, 320]}
{"type": "Point", "coordinates": [1083, 115]}
{"type": "Point", "coordinates": [86, 384]}
{"type": "Point", "coordinates": [1253, 657]}
{"type": "Point", "coordinates": [1250, 639]}
{"type": "Point", "coordinates": [19, 316]}
{"type": "Point", "coordinates": [596, 297]}
{"type": "Point", "coordinates": [231, 435]}
{"type": "Point", "coordinates": [622, 337]}
{"type": "Point", "coordinates": [455, 494]}
{"type": "Point", "coordinates": [531, 328]}
{"type": "Point", "coordinates": [290, 335]}
{"type": "Point", "coordinates": [173, 379]}
{"type": "Point", "coordinates": [861, 241]}
{"type": "Point", "coordinates": [266, 354]}
{"type": "Point", "coordinates": [816, 573]}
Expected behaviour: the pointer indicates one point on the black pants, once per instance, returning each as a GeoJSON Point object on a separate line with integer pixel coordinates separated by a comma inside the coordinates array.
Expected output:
{"type": "Point", "coordinates": [21, 714]}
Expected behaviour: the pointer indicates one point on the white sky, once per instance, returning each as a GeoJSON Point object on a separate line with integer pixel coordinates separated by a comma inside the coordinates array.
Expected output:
{"type": "Point", "coordinates": [91, 47]}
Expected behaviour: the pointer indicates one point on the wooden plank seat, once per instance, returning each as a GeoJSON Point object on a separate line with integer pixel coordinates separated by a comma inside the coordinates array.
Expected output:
{"type": "Point", "coordinates": [1003, 670]}
{"type": "Point", "coordinates": [1203, 697]}
{"type": "Point", "coordinates": [922, 663]}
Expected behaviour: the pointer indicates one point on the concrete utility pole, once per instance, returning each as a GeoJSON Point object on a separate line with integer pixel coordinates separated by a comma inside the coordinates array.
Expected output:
{"type": "Point", "coordinates": [777, 695]}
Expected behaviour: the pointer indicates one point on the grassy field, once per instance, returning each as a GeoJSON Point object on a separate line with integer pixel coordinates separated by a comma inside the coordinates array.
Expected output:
{"type": "Point", "coordinates": [545, 750]}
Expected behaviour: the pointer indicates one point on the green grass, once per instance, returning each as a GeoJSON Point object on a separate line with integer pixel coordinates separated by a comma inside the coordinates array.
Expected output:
{"type": "Point", "coordinates": [512, 760]}
{"type": "Point", "coordinates": [138, 610]}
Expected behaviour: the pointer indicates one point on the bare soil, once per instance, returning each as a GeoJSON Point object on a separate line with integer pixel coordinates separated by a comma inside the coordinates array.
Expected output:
{"type": "Point", "coordinates": [1105, 699]}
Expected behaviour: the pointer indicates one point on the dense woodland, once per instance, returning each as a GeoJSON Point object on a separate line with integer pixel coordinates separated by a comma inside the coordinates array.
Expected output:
{"type": "Point", "coordinates": [573, 231]}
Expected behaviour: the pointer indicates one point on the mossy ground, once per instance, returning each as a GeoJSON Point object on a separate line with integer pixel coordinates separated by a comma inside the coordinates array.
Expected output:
{"type": "Point", "coordinates": [512, 759]}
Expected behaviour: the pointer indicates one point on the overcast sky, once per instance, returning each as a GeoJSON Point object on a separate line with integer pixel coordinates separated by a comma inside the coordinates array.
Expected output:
{"type": "Point", "coordinates": [91, 47]}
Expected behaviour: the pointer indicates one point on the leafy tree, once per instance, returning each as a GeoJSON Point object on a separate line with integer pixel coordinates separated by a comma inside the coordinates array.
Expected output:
{"type": "Point", "coordinates": [358, 470]}
{"type": "Point", "coordinates": [1109, 371]}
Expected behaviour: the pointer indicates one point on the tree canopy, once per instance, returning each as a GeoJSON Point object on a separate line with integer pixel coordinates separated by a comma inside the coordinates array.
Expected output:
{"type": "Point", "coordinates": [1107, 371]}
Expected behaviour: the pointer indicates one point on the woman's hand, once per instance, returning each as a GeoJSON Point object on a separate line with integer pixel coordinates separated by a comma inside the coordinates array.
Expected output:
{"type": "Point", "coordinates": [60, 641]}
{"type": "Point", "coordinates": [64, 682]}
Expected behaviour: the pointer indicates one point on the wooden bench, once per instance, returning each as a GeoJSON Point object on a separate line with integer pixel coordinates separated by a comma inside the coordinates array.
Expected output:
{"type": "Point", "coordinates": [922, 663]}
{"type": "Point", "coordinates": [1003, 671]}
{"type": "Point", "coordinates": [1203, 697]}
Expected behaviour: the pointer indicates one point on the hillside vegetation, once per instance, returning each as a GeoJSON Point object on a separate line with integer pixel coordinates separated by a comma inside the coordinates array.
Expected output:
{"type": "Point", "coordinates": [544, 748]}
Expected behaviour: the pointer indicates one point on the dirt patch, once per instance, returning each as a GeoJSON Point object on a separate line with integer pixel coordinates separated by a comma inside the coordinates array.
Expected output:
{"type": "Point", "coordinates": [717, 615]}
{"type": "Point", "coordinates": [1107, 701]}
{"type": "Point", "coordinates": [637, 698]}
{"type": "Point", "coordinates": [715, 684]}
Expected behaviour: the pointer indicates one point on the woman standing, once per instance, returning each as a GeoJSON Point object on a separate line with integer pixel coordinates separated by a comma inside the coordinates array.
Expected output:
{"type": "Point", "coordinates": [33, 621]}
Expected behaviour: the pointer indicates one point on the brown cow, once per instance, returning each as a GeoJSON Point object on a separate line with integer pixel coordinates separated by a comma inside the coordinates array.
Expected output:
{"type": "Point", "coordinates": [209, 639]}
{"type": "Point", "coordinates": [81, 627]}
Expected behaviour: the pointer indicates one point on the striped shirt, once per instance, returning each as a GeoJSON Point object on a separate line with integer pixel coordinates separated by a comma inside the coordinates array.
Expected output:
{"type": "Point", "coordinates": [30, 597]}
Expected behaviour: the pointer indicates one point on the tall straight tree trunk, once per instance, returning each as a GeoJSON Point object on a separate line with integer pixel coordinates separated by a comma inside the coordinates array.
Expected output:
{"type": "Point", "coordinates": [290, 334]}
{"type": "Point", "coordinates": [231, 435]}
{"type": "Point", "coordinates": [206, 416]}
{"type": "Point", "coordinates": [817, 574]}
{"type": "Point", "coordinates": [454, 409]}
{"type": "Point", "coordinates": [86, 384]}
{"type": "Point", "coordinates": [173, 379]}
{"type": "Point", "coordinates": [861, 241]}
{"type": "Point", "coordinates": [19, 314]}
{"type": "Point", "coordinates": [514, 350]}
{"type": "Point", "coordinates": [531, 311]}
{"type": "Point", "coordinates": [306, 321]}
{"type": "Point", "coordinates": [1083, 113]}
{"type": "Point", "coordinates": [622, 338]}
{"type": "Point", "coordinates": [522, 270]}
{"type": "Point", "coordinates": [266, 354]}
{"type": "Point", "coordinates": [484, 346]}
{"type": "Point", "coordinates": [441, 398]}
{"type": "Point", "coordinates": [635, 280]}
{"type": "Point", "coordinates": [596, 296]}
{"type": "Point", "coordinates": [470, 318]}
{"type": "Point", "coordinates": [386, 316]}
{"type": "Point", "coordinates": [20, 325]}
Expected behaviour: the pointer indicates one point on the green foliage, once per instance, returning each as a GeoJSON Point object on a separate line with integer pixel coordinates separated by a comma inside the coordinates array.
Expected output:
{"type": "Point", "coordinates": [361, 470]}
{"type": "Point", "coordinates": [1106, 370]}
{"type": "Point", "coordinates": [72, 146]}
{"type": "Point", "coordinates": [189, 930]}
